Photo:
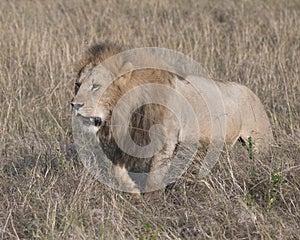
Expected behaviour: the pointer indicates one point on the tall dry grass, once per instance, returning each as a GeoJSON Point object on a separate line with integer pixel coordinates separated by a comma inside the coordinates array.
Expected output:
{"type": "Point", "coordinates": [45, 193]}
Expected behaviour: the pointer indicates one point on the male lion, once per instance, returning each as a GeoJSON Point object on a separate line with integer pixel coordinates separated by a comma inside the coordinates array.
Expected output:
{"type": "Point", "coordinates": [94, 105]}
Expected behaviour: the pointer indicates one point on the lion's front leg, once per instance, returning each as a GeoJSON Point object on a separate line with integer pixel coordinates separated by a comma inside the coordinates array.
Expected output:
{"type": "Point", "coordinates": [155, 181]}
{"type": "Point", "coordinates": [124, 180]}
{"type": "Point", "coordinates": [160, 166]}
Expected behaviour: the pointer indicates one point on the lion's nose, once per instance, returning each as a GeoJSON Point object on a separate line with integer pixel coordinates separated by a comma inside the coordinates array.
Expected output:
{"type": "Point", "coordinates": [76, 106]}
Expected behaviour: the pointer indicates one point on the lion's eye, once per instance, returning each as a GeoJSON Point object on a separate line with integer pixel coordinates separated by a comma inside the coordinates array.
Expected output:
{"type": "Point", "coordinates": [95, 87]}
{"type": "Point", "coordinates": [77, 86]}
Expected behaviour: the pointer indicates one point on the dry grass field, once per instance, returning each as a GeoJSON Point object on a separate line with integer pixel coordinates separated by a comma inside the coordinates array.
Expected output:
{"type": "Point", "coordinates": [46, 193]}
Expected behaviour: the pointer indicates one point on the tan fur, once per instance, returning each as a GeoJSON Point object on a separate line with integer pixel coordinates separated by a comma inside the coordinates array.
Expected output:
{"type": "Point", "coordinates": [246, 116]}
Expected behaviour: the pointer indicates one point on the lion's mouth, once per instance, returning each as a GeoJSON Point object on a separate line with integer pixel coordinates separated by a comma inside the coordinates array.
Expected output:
{"type": "Point", "coordinates": [90, 121]}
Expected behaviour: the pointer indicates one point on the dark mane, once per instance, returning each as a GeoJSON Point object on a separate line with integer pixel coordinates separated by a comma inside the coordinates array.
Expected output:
{"type": "Point", "coordinates": [96, 54]}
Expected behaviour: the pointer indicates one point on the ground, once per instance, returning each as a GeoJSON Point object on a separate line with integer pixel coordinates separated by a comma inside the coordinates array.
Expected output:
{"type": "Point", "coordinates": [46, 193]}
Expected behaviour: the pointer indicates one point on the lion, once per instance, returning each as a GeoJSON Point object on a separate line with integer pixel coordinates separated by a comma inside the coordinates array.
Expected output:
{"type": "Point", "coordinates": [94, 105]}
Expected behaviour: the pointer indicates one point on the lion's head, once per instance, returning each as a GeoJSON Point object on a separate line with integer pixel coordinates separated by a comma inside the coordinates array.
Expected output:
{"type": "Point", "coordinates": [87, 104]}
{"type": "Point", "coordinates": [100, 83]}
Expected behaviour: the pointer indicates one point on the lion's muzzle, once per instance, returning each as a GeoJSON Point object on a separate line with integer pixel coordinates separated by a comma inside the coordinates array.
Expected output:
{"type": "Point", "coordinates": [90, 121]}
{"type": "Point", "coordinates": [76, 106]}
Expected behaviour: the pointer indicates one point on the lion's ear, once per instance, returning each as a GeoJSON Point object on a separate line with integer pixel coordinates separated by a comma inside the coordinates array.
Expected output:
{"type": "Point", "coordinates": [126, 70]}
{"type": "Point", "coordinates": [126, 74]}
{"type": "Point", "coordinates": [123, 81]}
